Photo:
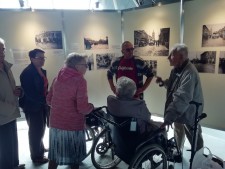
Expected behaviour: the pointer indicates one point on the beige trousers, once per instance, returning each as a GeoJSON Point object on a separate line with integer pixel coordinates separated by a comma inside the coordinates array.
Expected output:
{"type": "Point", "coordinates": [180, 130]}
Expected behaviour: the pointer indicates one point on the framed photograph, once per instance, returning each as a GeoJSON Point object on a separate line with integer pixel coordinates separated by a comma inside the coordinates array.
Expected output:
{"type": "Point", "coordinates": [221, 69]}
{"type": "Point", "coordinates": [101, 43]}
{"type": "Point", "coordinates": [213, 35]}
{"type": "Point", "coordinates": [152, 43]}
{"type": "Point", "coordinates": [203, 61]}
{"type": "Point", "coordinates": [49, 40]}
{"type": "Point", "coordinates": [104, 60]}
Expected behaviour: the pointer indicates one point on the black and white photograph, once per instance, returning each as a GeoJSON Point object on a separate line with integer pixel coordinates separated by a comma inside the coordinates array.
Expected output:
{"type": "Point", "coordinates": [104, 60]}
{"type": "Point", "coordinates": [90, 62]}
{"type": "Point", "coordinates": [221, 69]}
{"type": "Point", "coordinates": [153, 65]}
{"type": "Point", "coordinates": [91, 44]}
{"type": "Point", "coordinates": [213, 35]}
{"type": "Point", "coordinates": [204, 61]}
{"type": "Point", "coordinates": [49, 40]}
{"type": "Point", "coordinates": [154, 42]}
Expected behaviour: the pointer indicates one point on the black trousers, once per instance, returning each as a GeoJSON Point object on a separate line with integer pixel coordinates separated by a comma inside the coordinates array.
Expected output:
{"type": "Point", "coordinates": [8, 146]}
{"type": "Point", "coordinates": [36, 120]}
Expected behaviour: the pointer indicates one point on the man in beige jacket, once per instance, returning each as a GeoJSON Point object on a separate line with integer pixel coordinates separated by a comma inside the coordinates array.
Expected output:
{"type": "Point", "coordinates": [9, 111]}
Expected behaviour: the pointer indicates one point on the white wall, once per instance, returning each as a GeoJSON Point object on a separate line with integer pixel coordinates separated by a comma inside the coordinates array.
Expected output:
{"type": "Point", "coordinates": [198, 13]}
{"type": "Point", "coordinates": [149, 19]}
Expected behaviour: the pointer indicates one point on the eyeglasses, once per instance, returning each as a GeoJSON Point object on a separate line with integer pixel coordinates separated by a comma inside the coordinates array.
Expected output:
{"type": "Point", "coordinates": [40, 58]}
{"type": "Point", "coordinates": [129, 49]}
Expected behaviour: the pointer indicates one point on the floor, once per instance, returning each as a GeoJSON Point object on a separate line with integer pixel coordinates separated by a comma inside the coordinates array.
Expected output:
{"type": "Point", "coordinates": [213, 139]}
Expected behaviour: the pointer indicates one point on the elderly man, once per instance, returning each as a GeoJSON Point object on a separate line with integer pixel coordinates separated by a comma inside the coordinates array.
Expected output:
{"type": "Point", "coordinates": [9, 111]}
{"type": "Point", "coordinates": [132, 67]}
{"type": "Point", "coordinates": [183, 86]}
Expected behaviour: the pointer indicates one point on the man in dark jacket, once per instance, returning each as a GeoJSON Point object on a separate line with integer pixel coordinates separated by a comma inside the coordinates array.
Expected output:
{"type": "Point", "coordinates": [34, 83]}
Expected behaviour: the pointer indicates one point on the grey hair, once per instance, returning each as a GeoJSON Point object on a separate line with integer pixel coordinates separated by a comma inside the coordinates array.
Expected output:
{"type": "Point", "coordinates": [73, 59]}
{"type": "Point", "coordinates": [2, 41]}
{"type": "Point", "coordinates": [125, 87]}
{"type": "Point", "coordinates": [181, 48]}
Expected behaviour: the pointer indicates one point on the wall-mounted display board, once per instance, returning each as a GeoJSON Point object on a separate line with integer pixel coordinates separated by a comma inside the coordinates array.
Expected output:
{"type": "Point", "coordinates": [203, 27]}
{"type": "Point", "coordinates": [204, 61]}
{"type": "Point", "coordinates": [221, 69]}
{"type": "Point", "coordinates": [213, 35]}
{"type": "Point", "coordinates": [152, 43]}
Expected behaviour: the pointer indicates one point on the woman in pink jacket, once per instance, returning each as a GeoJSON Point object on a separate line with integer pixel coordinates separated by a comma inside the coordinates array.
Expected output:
{"type": "Point", "coordinates": [69, 104]}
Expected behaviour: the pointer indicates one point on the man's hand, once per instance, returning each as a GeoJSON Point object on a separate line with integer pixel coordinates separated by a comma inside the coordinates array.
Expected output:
{"type": "Point", "coordinates": [113, 88]}
{"type": "Point", "coordinates": [164, 125]}
{"type": "Point", "coordinates": [139, 91]}
{"type": "Point", "coordinates": [159, 81]}
{"type": "Point", "coordinates": [17, 91]}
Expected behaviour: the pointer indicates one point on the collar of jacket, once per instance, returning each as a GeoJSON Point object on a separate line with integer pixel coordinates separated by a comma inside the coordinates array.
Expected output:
{"type": "Point", "coordinates": [34, 69]}
{"type": "Point", "coordinates": [178, 70]}
{"type": "Point", "coordinates": [7, 65]}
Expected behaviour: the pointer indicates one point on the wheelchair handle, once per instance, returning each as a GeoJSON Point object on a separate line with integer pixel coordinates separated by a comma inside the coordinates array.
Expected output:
{"type": "Point", "coordinates": [202, 116]}
{"type": "Point", "coordinates": [98, 108]}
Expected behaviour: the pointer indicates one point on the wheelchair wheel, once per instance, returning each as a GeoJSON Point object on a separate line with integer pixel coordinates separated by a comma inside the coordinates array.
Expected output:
{"type": "Point", "coordinates": [89, 136]}
{"type": "Point", "coordinates": [149, 157]}
{"type": "Point", "coordinates": [103, 155]}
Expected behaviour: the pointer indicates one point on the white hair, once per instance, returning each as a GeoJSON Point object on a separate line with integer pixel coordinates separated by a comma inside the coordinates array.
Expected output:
{"type": "Point", "coordinates": [125, 87]}
{"type": "Point", "coordinates": [73, 59]}
{"type": "Point", "coordinates": [2, 41]}
{"type": "Point", "coordinates": [180, 48]}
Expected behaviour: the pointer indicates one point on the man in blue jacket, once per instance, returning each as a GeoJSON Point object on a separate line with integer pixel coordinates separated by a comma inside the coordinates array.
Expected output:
{"type": "Point", "coordinates": [34, 83]}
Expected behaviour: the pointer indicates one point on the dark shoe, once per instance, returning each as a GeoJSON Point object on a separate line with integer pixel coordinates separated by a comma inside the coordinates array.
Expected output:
{"type": "Point", "coordinates": [20, 166]}
{"type": "Point", "coordinates": [177, 158]}
{"type": "Point", "coordinates": [40, 161]}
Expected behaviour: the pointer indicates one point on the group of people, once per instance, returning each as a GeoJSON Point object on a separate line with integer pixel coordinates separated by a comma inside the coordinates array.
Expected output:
{"type": "Point", "coordinates": [68, 102]}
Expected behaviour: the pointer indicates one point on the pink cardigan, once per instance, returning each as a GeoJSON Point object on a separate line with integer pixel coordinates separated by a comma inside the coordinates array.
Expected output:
{"type": "Point", "coordinates": [68, 100]}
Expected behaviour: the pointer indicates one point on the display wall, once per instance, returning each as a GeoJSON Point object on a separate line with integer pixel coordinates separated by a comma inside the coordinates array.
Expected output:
{"type": "Point", "coordinates": [197, 14]}
{"type": "Point", "coordinates": [22, 30]}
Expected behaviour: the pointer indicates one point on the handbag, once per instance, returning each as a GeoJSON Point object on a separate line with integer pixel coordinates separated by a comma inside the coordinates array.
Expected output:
{"type": "Point", "coordinates": [210, 161]}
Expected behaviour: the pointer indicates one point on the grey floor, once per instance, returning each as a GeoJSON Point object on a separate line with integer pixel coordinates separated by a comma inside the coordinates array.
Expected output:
{"type": "Point", "coordinates": [213, 139]}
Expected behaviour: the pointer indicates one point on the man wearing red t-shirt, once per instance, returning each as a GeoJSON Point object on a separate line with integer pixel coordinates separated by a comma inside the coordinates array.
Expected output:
{"type": "Point", "coordinates": [130, 66]}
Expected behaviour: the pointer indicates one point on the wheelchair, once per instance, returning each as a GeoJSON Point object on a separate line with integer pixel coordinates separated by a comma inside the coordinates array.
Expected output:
{"type": "Point", "coordinates": [93, 128]}
{"type": "Point", "coordinates": [117, 143]}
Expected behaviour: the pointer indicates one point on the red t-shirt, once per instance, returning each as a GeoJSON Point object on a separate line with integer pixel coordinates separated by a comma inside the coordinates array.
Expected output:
{"type": "Point", "coordinates": [127, 68]}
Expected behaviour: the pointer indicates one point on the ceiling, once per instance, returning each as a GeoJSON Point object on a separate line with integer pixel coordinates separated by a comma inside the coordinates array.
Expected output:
{"type": "Point", "coordinates": [82, 4]}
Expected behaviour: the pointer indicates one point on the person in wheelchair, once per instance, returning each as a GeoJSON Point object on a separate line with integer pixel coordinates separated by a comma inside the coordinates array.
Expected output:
{"type": "Point", "coordinates": [125, 106]}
